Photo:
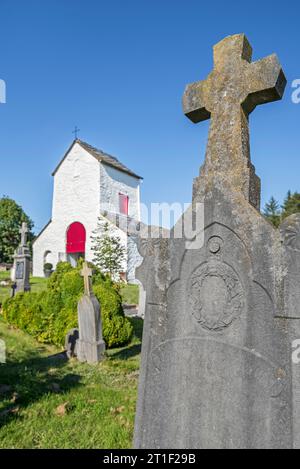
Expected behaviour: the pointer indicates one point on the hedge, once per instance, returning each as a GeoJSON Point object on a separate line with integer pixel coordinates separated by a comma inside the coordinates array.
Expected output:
{"type": "Point", "coordinates": [49, 315]}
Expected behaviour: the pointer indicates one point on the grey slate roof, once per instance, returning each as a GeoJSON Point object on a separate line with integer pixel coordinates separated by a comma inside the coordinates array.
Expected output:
{"type": "Point", "coordinates": [100, 156]}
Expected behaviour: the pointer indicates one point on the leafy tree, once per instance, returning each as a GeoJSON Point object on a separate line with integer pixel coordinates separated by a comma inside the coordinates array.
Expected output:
{"type": "Point", "coordinates": [11, 217]}
{"type": "Point", "coordinates": [291, 204]}
{"type": "Point", "coordinates": [272, 212]}
{"type": "Point", "coordinates": [109, 253]}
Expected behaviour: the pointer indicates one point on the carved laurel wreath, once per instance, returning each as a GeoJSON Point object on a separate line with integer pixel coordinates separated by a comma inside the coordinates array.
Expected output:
{"type": "Point", "coordinates": [233, 303]}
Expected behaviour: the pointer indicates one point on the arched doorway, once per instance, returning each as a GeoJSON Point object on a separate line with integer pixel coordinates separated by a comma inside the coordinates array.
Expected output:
{"type": "Point", "coordinates": [76, 238]}
{"type": "Point", "coordinates": [48, 257]}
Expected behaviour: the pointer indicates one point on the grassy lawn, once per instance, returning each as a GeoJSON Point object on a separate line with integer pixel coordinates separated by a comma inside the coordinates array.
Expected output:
{"type": "Point", "coordinates": [37, 284]}
{"type": "Point", "coordinates": [130, 294]}
{"type": "Point", "coordinates": [49, 402]}
{"type": "Point", "coordinates": [4, 291]}
{"type": "Point", "coordinates": [4, 275]}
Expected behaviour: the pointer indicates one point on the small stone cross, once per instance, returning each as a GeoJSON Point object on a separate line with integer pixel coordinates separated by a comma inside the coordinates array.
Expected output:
{"type": "Point", "coordinates": [24, 231]}
{"type": "Point", "coordinates": [87, 273]}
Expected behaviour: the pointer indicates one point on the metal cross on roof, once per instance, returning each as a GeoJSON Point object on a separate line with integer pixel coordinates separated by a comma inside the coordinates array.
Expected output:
{"type": "Point", "coordinates": [76, 131]}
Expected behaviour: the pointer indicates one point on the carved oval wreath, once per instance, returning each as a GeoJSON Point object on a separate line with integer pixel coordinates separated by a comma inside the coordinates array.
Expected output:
{"type": "Point", "coordinates": [216, 295]}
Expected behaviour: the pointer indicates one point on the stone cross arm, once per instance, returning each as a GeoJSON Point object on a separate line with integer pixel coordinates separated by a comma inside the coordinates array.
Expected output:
{"type": "Point", "coordinates": [234, 82]}
{"type": "Point", "coordinates": [194, 103]}
{"type": "Point", "coordinates": [266, 82]}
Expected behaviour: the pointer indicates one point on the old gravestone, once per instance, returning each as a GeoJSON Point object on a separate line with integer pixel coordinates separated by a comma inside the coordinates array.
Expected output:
{"type": "Point", "coordinates": [221, 316]}
{"type": "Point", "coordinates": [90, 345]}
{"type": "Point", "coordinates": [21, 267]}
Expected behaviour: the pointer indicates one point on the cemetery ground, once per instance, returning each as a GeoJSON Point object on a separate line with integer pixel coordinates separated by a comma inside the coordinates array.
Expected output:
{"type": "Point", "coordinates": [47, 401]}
{"type": "Point", "coordinates": [37, 285]}
{"type": "Point", "coordinates": [128, 292]}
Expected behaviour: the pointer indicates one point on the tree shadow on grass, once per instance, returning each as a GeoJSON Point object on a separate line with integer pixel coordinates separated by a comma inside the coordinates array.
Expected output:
{"type": "Point", "coordinates": [126, 353]}
{"type": "Point", "coordinates": [137, 324]}
{"type": "Point", "coordinates": [27, 381]}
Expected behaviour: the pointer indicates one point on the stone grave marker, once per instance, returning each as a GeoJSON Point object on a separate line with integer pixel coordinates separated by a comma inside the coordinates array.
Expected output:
{"type": "Point", "coordinates": [71, 342]}
{"type": "Point", "coordinates": [21, 267]}
{"type": "Point", "coordinates": [221, 314]}
{"type": "Point", "coordinates": [90, 346]}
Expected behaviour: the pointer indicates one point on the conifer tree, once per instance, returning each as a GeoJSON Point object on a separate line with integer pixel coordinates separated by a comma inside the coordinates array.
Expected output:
{"type": "Point", "coordinates": [109, 253]}
{"type": "Point", "coordinates": [272, 212]}
{"type": "Point", "coordinates": [291, 204]}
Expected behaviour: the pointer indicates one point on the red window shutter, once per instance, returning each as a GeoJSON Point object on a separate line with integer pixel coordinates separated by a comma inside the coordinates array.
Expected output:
{"type": "Point", "coordinates": [123, 204]}
{"type": "Point", "coordinates": [76, 237]}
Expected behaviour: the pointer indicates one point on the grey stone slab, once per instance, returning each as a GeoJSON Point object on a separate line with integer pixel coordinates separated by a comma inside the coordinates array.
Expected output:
{"type": "Point", "coordinates": [216, 368]}
{"type": "Point", "coordinates": [90, 345]}
{"type": "Point", "coordinates": [21, 268]}
{"type": "Point", "coordinates": [290, 293]}
{"type": "Point", "coordinates": [71, 342]}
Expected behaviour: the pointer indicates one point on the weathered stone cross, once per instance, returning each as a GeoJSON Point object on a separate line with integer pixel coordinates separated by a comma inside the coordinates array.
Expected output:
{"type": "Point", "coordinates": [229, 94]}
{"type": "Point", "coordinates": [87, 273]}
{"type": "Point", "coordinates": [23, 232]}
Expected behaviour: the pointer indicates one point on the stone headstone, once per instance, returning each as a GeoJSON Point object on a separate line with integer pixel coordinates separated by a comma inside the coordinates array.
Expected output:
{"type": "Point", "coordinates": [71, 342]}
{"type": "Point", "coordinates": [290, 301]}
{"type": "Point", "coordinates": [13, 289]}
{"type": "Point", "coordinates": [21, 267]}
{"type": "Point", "coordinates": [90, 345]}
{"type": "Point", "coordinates": [216, 367]}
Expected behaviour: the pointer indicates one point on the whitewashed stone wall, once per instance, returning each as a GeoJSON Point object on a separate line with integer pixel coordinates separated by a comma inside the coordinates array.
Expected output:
{"type": "Point", "coordinates": [114, 182]}
{"type": "Point", "coordinates": [76, 197]}
{"type": "Point", "coordinates": [82, 188]}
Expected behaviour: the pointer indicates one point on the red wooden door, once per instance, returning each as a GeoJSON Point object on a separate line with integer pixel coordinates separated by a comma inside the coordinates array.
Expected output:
{"type": "Point", "coordinates": [76, 237]}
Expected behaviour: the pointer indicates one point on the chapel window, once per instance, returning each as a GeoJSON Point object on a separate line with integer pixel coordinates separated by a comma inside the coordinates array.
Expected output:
{"type": "Point", "coordinates": [123, 204]}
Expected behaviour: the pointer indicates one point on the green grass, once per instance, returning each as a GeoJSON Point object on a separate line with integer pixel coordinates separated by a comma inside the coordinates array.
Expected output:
{"type": "Point", "coordinates": [38, 284]}
{"type": "Point", "coordinates": [130, 294]}
{"type": "Point", "coordinates": [4, 291]}
{"type": "Point", "coordinates": [99, 399]}
{"type": "Point", "coordinates": [4, 275]}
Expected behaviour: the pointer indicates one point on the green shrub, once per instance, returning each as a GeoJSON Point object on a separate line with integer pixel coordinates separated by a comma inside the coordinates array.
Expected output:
{"type": "Point", "coordinates": [50, 314]}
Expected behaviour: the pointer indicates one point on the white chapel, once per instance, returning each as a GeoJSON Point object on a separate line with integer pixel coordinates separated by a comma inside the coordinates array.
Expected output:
{"type": "Point", "coordinates": [87, 183]}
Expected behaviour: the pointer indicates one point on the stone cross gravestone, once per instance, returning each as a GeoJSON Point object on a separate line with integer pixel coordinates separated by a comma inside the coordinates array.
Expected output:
{"type": "Point", "coordinates": [90, 345]}
{"type": "Point", "coordinates": [21, 267]}
{"type": "Point", "coordinates": [221, 313]}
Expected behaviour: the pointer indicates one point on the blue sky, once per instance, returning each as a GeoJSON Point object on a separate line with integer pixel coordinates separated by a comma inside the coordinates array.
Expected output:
{"type": "Point", "coordinates": [117, 69]}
